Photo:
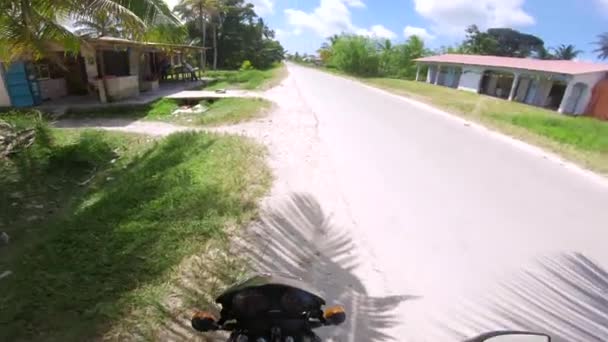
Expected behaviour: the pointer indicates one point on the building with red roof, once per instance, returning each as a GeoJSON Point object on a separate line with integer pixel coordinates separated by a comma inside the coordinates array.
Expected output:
{"type": "Point", "coordinates": [565, 86]}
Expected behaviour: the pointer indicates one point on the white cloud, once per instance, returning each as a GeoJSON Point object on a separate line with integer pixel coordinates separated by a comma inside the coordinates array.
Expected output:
{"type": "Point", "coordinates": [452, 17]}
{"type": "Point", "coordinates": [421, 32]}
{"type": "Point", "coordinates": [333, 17]}
{"type": "Point", "coordinates": [263, 7]}
{"type": "Point", "coordinates": [378, 31]}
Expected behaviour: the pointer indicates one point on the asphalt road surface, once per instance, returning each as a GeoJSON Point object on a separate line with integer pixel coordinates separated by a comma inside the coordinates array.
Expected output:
{"type": "Point", "coordinates": [485, 232]}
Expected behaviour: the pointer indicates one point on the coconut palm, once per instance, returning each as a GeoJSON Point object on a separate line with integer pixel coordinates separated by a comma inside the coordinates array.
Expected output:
{"type": "Point", "coordinates": [602, 46]}
{"type": "Point", "coordinates": [200, 12]}
{"type": "Point", "coordinates": [567, 52]}
{"type": "Point", "coordinates": [30, 27]}
{"type": "Point", "coordinates": [100, 25]}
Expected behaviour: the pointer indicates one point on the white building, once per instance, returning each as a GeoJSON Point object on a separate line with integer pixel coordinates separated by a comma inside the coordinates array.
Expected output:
{"type": "Point", "coordinates": [560, 85]}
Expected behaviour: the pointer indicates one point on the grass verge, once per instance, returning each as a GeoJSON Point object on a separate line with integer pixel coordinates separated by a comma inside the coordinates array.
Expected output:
{"type": "Point", "coordinates": [247, 79]}
{"type": "Point", "coordinates": [580, 139]}
{"type": "Point", "coordinates": [228, 111]}
{"type": "Point", "coordinates": [220, 112]}
{"type": "Point", "coordinates": [100, 223]}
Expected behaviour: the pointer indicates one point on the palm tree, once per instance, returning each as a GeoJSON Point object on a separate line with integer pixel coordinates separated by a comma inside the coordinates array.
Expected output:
{"type": "Point", "coordinates": [566, 52]}
{"type": "Point", "coordinates": [602, 46]}
{"type": "Point", "coordinates": [198, 10]}
{"type": "Point", "coordinates": [100, 25]}
{"type": "Point", "coordinates": [30, 27]}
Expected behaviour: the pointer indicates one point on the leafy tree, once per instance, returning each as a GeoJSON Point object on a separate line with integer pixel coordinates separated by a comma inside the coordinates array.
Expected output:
{"type": "Point", "coordinates": [238, 34]}
{"type": "Point", "coordinates": [479, 43]}
{"type": "Point", "coordinates": [356, 55]}
{"type": "Point", "coordinates": [402, 63]}
{"type": "Point", "coordinates": [543, 53]}
{"type": "Point", "coordinates": [197, 12]}
{"type": "Point", "coordinates": [512, 43]}
{"type": "Point", "coordinates": [456, 49]}
{"type": "Point", "coordinates": [567, 52]}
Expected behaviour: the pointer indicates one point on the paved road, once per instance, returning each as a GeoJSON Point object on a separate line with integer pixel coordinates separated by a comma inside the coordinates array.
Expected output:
{"type": "Point", "coordinates": [455, 215]}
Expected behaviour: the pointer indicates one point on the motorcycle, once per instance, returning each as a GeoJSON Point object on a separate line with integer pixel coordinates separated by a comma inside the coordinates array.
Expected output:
{"type": "Point", "coordinates": [280, 308]}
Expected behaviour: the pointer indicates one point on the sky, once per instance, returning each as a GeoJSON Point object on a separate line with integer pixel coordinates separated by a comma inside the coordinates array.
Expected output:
{"type": "Point", "coordinates": [303, 25]}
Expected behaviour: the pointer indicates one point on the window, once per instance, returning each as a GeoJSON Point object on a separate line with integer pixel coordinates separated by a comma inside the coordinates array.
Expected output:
{"type": "Point", "coordinates": [116, 63]}
{"type": "Point", "coordinates": [42, 71]}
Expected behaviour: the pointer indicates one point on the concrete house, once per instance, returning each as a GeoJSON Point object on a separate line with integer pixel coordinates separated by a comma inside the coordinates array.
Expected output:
{"type": "Point", "coordinates": [561, 85]}
{"type": "Point", "coordinates": [130, 68]}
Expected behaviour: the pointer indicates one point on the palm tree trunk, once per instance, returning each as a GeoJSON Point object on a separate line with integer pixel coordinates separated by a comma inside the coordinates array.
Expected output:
{"type": "Point", "coordinates": [214, 47]}
{"type": "Point", "coordinates": [204, 38]}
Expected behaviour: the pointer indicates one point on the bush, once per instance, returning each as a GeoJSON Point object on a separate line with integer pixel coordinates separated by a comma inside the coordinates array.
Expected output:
{"type": "Point", "coordinates": [246, 65]}
{"type": "Point", "coordinates": [356, 55]}
{"type": "Point", "coordinates": [25, 141]}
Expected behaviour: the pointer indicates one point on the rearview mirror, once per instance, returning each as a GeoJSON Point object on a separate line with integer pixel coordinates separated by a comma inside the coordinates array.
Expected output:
{"type": "Point", "coordinates": [512, 336]}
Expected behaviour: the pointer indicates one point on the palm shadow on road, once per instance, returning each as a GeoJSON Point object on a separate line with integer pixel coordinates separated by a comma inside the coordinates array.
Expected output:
{"type": "Point", "coordinates": [292, 237]}
{"type": "Point", "coordinates": [564, 296]}
{"type": "Point", "coordinates": [297, 238]}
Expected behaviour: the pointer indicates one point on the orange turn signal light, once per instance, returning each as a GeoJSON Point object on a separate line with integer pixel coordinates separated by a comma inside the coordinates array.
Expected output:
{"type": "Point", "coordinates": [203, 321]}
{"type": "Point", "coordinates": [335, 315]}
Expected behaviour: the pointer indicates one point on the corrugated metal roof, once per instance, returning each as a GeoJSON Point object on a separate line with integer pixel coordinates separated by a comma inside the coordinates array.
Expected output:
{"type": "Point", "coordinates": [553, 66]}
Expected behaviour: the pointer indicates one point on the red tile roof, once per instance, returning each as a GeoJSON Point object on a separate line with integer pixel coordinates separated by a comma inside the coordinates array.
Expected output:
{"type": "Point", "coordinates": [554, 66]}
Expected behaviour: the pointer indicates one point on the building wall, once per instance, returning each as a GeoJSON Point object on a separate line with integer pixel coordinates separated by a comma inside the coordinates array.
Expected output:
{"type": "Point", "coordinates": [90, 63]}
{"type": "Point", "coordinates": [134, 61]}
{"type": "Point", "coordinates": [590, 80]}
{"type": "Point", "coordinates": [122, 87]}
{"type": "Point", "coordinates": [5, 100]}
{"type": "Point", "coordinates": [470, 78]}
{"type": "Point", "coordinates": [53, 88]}
{"type": "Point", "coordinates": [542, 94]}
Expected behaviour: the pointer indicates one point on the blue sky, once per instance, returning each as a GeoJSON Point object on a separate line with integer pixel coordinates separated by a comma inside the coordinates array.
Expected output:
{"type": "Point", "coordinates": [302, 25]}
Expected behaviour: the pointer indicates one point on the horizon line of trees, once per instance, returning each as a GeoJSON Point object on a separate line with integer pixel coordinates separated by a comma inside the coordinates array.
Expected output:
{"type": "Point", "coordinates": [371, 56]}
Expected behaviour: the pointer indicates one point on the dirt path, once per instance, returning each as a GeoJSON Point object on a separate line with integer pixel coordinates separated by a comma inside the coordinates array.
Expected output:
{"type": "Point", "coordinates": [156, 128]}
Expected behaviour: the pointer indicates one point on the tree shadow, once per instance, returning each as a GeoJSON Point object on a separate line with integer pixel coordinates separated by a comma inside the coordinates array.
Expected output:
{"type": "Point", "coordinates": [295, 237]}
{"type": "Point", "coordinates": [564, 296]}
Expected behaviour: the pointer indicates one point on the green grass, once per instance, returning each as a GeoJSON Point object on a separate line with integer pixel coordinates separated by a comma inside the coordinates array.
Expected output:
{"type": "Point", "coordinates": [222, 111]}
{"type": "Point", "coordinates": [581, 139]}
{"type": "Point", "coordinates": [225, 111]}
{"type": "Point", "coordinates": [100, 223]}
{"type": "Point", "coordinates": [247, 79]}
{"type": "Point", "coordinates": [154, 110]}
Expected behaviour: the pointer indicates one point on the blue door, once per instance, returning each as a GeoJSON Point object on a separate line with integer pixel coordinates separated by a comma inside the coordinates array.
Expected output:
{"type": "Point", "coordinates": [22, 85]}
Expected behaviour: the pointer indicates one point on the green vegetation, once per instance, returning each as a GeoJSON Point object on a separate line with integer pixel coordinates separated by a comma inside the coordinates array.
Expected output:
{"type": "Point", "coordinates": [248, 79]}
{"type": "Point", "coordinates": [365, 56]}
{"type": "Point", "coordinates": [584, 140]}
{"type": "Point", "coordinates": [232, 27]}
{"type": "Point", "coordinates": [223, 111]}
{"type": "Point", "coordinates": [101, 222]}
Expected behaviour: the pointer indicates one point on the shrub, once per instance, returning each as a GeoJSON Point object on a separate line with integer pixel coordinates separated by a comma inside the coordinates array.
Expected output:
{"type": "Point", "coordinates": [246, 65]}
{"type": "Point", "coordinates": [356, 55]}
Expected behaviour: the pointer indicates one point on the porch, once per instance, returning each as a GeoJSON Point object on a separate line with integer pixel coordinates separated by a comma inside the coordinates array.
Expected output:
{"type": "Point", "coordinates": [68, 103]}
